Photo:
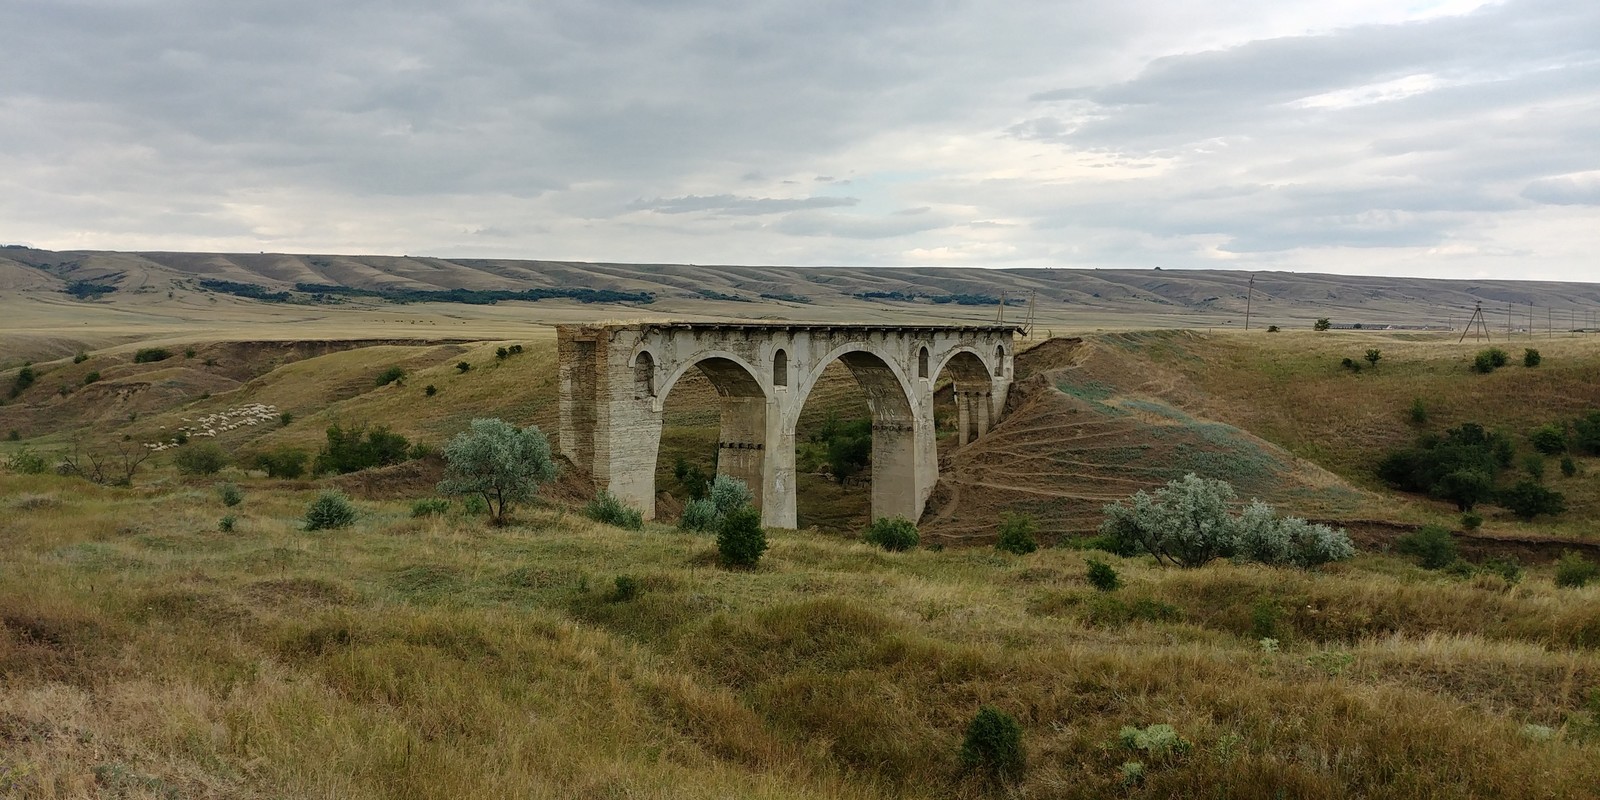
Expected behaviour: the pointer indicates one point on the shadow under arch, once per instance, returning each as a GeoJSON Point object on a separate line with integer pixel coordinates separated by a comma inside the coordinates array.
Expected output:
{"type": "Point", "coordinates": [895, 426]}
{"type": "Point", "coordinates": [742, 410]}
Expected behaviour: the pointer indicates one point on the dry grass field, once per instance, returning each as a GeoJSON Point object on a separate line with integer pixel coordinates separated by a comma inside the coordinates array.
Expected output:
{"type": "Point", "coordinates": [146, 652]}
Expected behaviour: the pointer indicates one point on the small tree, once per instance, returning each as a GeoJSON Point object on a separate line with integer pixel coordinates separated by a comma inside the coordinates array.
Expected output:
{"type": "Point", "coordinates": [26, 462]}
{"type": "Point", "coordinates": [495, 461]}
{"type": "Point", "coordinates": [1016, 535]}
{"type": "Point", "coordinates": [726, 495]}
{"type": "Point", "coordinates": [1264, 537]}
{"type": "Point", "coordinates": [892, 533]}
{"type": "Point", "coordinates": [993, 746]}
{"type": "Point", "coordinates": [741, 539]}
{"type": "Point", "coordinates": [1531, 358]}
{"type": "Point", "coordinates": [1321, 324]}
{"type": "Point", "coordinates": [230, 494]}
{"type": "Point", "coordinates": [1185, 523]}
{"type": "Point", "coordinates": [1372, 356]}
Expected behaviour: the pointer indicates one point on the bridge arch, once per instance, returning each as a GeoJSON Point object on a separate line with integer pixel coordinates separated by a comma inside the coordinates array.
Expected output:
{"type": "Point", "coordinates": [615, 379]}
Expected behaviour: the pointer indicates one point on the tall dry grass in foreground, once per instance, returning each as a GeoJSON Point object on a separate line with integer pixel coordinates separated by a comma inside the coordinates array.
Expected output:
{"type": "Point", "coordinates": [145, 653]}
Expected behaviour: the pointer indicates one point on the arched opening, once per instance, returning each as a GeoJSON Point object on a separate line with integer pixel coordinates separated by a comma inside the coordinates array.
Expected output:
{"type": "Point", "coordinates": [780, 368]}
{"type": "Point", "coordinates": [714, 422]}
{"type": "Point", "coordinates": [644, 375]}
{"type": "Point", "coordinates": [922, 363]}
{"type": "Point", "coordinates": [1000, 361]}
{"type": "Point", "coordinates": [962, 401]}
{"type": "Point", "coordinates": [855, 446]}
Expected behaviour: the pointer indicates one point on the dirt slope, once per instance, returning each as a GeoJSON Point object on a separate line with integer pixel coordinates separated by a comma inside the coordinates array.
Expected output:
{"type": "Point", "coordinates": [1089, 423]}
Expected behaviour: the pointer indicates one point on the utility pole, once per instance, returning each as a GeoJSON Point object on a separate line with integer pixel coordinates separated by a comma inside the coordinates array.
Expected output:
{"type": "Point", "coordinates": [1249, 294]}
{"type": "Point", "coordinates": [1508, 322]}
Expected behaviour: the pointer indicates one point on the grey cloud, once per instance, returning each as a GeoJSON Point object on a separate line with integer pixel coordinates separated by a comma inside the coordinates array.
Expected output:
{"type": "Point", "coordinates": [739, 206]}
{"type": "Point", "coordinates": [1566, 190]}
{"type": "Point", "coordinates": [855, 227]}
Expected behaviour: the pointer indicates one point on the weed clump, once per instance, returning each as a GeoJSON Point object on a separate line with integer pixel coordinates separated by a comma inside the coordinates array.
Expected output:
{"type": "Point", "coordinates": [429, 507]}
{"type": "Point", "coordinates": [1569, 467]}
{"type": "Point", "coordinates": [892, 533]}
{"type": "Point", "coordinates": [1573, 571]}
{"type": "Point", "coordinates": [226, 524]}
{"type": "Point", "coordinates": [608, 509]}
{"type": "Point", "coordinates": [1016, 535]}
{"type": "Point", "coordinates": [91, 378]}
{"type": "Point", "coordinates": [1103, 576]}
{"type": "Point", "coordinates": [993, 746]}
{"type": "Point", "coordinates": [741, 539]}
{"type": "Point", "coordinates": [1431, 545]}
{"type": "Point", "coordinates": [331, 510]}
{"type": "Point", "coordinates": [1419, 412]}
{"type": "Point", "coordinates": [1472, 520]}
{"type": "Point", "coordinates": [627, 588]}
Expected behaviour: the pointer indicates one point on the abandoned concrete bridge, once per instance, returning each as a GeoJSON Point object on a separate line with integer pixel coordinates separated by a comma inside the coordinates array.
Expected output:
{"type": "Point", "coordinates": [615, 380]}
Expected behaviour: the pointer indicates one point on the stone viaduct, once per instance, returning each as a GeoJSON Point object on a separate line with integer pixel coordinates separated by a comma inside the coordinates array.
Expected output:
{"type": "Point", "coordinates": [615, 380]}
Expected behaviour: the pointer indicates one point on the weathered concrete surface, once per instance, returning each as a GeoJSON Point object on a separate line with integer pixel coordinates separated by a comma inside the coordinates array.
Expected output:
{"type": "Point", "coordinates": [615, 380]}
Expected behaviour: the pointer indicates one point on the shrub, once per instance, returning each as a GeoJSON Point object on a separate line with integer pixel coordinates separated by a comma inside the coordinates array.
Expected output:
{"type": "Point", "coordinates": [627, 588]}
{"type": "Point", "coordinates": [1569, 467]}
{"type": "Point", "coordinates": [1372, 356]}
{"type": "Point", "coordinates": [892, 533]}
{"type": "Point", "coordinates": [391, 375]}
{"type": "Point", "coordinates": [181, 438]}
{"type": "Point", "coordinates": [91, 378]}
{"type": "Point", "coordinates": [329, 511]}
{"type": "Point", "coordinates": [606, 508]}
{"type": "Point", "coordinates": [201, 459]}
{"type": "Point", "coordinates": [691, 477]}
{"type": "Point", "coordinates": [1533, 464]}
{"type": "Point", "coordinates": [25, 377]}
{"type": "Point", "coordinates": [1507, 568]}
{"type": "Point", "coordinates": [429, 507]}
{"type": "Point", "coordinates": [1102, 576]}
{"type": "Point", "coordinates": [1531, 358]}
{"type": "Point", "coordinates": [1550, 439]}
{"type": "Point", "coordinates": [993, 746]}
{"type": "Point", "coordinates": [1471, 520]}
{"type": "Point", "coordinates": [151, 354]}
{"type": "Point", "coordinates": [26, 462]}
{"type": "Point", "coordinates": [462, 366]}
{"type": "Point", "coordinates": [1321, 324]}
{"type": "Point", "coordinates": [699, 515]}
{"type": "Point", "coordinates": [1573, 571]}
{"type": "Point", "coordinates": [230, 494]}
{"type": "Point", "coordinates": [1351, 364]}
{"type": "Point", "coordinates": [80, 357]}
{"type": "Point", "coordinates": [1528, 499]}
{"type": "Point", "coordinates": [1016, 535]}
{"type": "Point", "coordinates": [740, 538]}
{"type": "Point", "coordinates": [1419, 412]}
{"type": "Point", "coordinates": [430, 390]}
{"type": "Point", "coordinates": [1263, 536]}
{"type": "Point", "coordinates": [357, 448]}
{"type": "Point", "coordinates": [285, 418]}
{"type": "Point", "coordinates": [1184, 523]}
{"type": "Point", "coordinates": [1586, 434]}
{"type": "Point", "coordinates": [515, 349]}
{"type": "Point", "coordinates": [501, 354]}
{"type": "Point", "coordinates": [14, 435]}
{"type": "Point", "coordinates": [1272, 329]}
{"type": "Point", "coordinates": [496, 462]}
{"type": "Point", "coordinates": [226, 524]}
{"type": "Point", "coordinates": [284, 462]}
{"type": "Point", "coordinates": [1432, 545]}
{"type": "Point", "coordinates": [1459, 466]}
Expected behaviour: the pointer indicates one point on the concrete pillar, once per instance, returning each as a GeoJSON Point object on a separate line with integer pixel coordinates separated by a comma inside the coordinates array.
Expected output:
{"type": "Point", "coordinates": [742, 442]}
{"type": "Point", "coordinates": [895, 485]}
{"type": "Point", "coordinates": [780, 508]}
{"type": "Point", "coordinates": [983, 401]}
{"type": "Point", "coordinates": [963, 418]}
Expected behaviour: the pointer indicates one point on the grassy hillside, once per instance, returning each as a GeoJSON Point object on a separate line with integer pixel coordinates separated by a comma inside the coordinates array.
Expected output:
{"type": "Point", "coordinates": [149, 654]}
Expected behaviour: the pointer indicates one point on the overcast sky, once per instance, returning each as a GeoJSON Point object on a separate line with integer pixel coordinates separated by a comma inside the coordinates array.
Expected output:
{"type": "Point", "coordinates": [1450, 138]}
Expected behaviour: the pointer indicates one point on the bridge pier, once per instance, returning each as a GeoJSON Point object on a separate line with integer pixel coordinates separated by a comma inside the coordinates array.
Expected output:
{"type": "Point", "coordinates": [614, 381]}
